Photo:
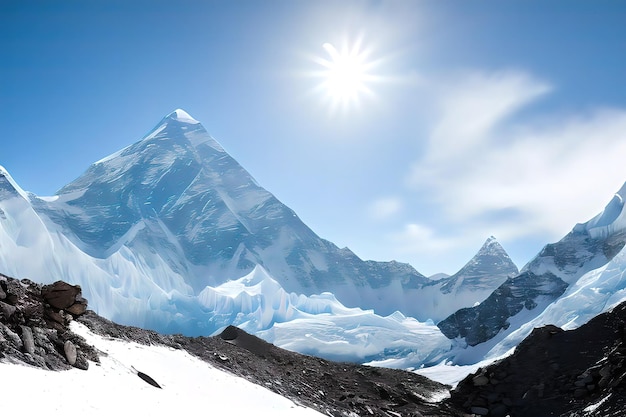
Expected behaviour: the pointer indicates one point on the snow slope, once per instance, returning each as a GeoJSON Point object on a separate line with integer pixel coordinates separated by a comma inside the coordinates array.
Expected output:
{"type": "Point", "coordinates": [111, 388]}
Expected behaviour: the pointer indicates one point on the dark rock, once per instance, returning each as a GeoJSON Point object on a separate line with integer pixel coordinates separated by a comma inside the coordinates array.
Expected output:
{"type": "Point", "coordinates": [77, 309]}
{"type": "Point", "coordinates": [40, 325]}
{"type": "Point", "coordinates": [12, 337]}
{"type": "Point", "coordinates": [590, 363]}
{"type": "Point", "coordinates": [60, 295]}
{"type": "Point", "coordinates": [480, 380]}
{"type": "Point", "coordinates": [6, 310]}
{"type": "Point", "coordinates": [580, 393]}
{"type": "Point", "coordinates": [481, 411]}
{"type": "Point", "coordinates": [146, 378]}
{"type": "Point", "coordinates": [55, 316]}
{"type": "Point", "coordinates": [498, 410]}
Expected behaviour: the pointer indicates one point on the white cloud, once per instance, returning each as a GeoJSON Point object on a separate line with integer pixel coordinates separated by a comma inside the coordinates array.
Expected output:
{"type": "Point", "coordinates": [483, 164]}
{"type": "Point", "coordinates": [417, 238]}
{"type": "Point", "coordinates": [385, 208]}
{"type": "Point", "coordinates": [432, 252]}
{"type": "Point", "coordinates": [473, 105]}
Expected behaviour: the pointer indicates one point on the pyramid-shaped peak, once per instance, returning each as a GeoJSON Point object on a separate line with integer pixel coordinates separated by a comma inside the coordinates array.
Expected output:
{"type": "Point", "coordinates": [492, 247]}
{"type": "Point", "coordinates": [491, 242]}
{"type": "Point", "coordinates": [485, 271]}
{"type": "Point", "coordinates": [181, 116]}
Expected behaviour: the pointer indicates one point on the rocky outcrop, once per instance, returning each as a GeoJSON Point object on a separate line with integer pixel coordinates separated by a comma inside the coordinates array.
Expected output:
{"type": "Point", "coordinates": [555, 373]}
{"type": "Point", "coordinates": [34, 324]}
{"type": "Point", "coordinates": [481, 323]}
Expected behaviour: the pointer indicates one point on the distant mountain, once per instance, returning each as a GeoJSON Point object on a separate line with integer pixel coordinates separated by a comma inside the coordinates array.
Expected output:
{"type": "Point", "coordinates": [553, 288]}
{"type": "Point", "coordinates": [489, 268]}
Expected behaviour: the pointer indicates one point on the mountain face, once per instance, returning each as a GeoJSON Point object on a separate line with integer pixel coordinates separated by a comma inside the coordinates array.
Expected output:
{"type": "Point", "coordinates": [489, 268]}
{"type": "Point", "coordinates": [485, 272]}
{"type": "Point", "coordinates": [522, 299]}
{"type": "Point", "coordinates": [172, 234]}
{"type": "Point", "coordinates": [177, 192]}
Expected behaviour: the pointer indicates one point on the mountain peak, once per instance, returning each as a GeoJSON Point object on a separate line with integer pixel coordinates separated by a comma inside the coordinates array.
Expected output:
{"type": "Point", "coordinates": [486, 270]}
{"type": "Point", "coordinates": [491, 245]}
{"type": "Point", "coordinates": [181, 116]}
{"type": "Point", "coordinates": [8, 186]}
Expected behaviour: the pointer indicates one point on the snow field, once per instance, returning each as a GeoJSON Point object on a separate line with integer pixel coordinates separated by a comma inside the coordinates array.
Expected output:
{"type": "Point", "coordinates": [189, 385]}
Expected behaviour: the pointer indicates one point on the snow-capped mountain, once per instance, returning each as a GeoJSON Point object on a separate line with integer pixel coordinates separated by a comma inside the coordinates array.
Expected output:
{"type": "Point", "coordinates": [566, 284]}
{"type": "Point", "coordinates": [472, 284]}
{"type": "Point", "coordinates": [489, 268]}
{"type": "Point", "coordinates": [172, 234]}
{"type": "Point", "coordinates": [178, 194]}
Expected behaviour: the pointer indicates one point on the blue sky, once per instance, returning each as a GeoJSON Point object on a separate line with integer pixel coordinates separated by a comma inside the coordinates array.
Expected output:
{"type": "Point", "coordinates": [475, 118]}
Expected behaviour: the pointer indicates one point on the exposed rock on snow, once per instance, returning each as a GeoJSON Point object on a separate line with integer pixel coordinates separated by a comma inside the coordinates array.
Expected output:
{"type": "Point", "coordinates": [555, 372]}
{"type": "Point", "coordinates": [333, 388]}
{"type": "Point", "coordinates": [541, 282]}
{"type": "Point", "coordinates": [33, 325]}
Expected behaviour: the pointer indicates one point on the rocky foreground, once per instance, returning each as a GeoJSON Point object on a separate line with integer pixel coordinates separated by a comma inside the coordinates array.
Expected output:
{"type": "Point", "coordinates": [336, 389]}
{"type": "Point", "coordinates": [552, 373]}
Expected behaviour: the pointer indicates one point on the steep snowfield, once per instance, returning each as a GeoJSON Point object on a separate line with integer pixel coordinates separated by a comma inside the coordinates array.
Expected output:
{"type": "Point", "coordinates": [189, 386]}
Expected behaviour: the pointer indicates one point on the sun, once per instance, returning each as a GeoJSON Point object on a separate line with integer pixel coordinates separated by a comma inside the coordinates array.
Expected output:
{"type": "Point", "coordinates": [347, 75]}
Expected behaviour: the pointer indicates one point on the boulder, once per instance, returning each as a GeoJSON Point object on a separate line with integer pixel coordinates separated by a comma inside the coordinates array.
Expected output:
{"type": "Point", "coordinates": [70, 352]}
{"type": "Point", "coordinates": [60, 295]}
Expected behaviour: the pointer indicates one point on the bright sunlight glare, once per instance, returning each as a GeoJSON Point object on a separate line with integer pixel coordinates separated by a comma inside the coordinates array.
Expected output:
{"type": "Point", "coordinates": [346, 75]}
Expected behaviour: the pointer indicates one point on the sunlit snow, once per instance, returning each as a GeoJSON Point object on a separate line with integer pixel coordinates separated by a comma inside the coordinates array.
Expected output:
{"type": "Point", "coordinates": [189, 386]}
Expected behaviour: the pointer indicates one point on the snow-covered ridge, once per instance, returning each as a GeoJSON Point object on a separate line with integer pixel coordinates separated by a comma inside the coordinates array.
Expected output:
{"type": "Point", "coordinates": [611, 220]}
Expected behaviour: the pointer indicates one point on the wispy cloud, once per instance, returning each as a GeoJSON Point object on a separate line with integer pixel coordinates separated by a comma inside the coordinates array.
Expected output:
{"type": "Point", "coordinates": [418, 238]}
{"type": "Point", "coordinates": [520, 174]}
{"type": "Point", "coordinates": [385, 208]}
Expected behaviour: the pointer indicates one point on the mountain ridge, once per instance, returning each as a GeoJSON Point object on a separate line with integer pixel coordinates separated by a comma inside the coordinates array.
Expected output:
{"type": "Point", "coordinates": [541, 282]}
